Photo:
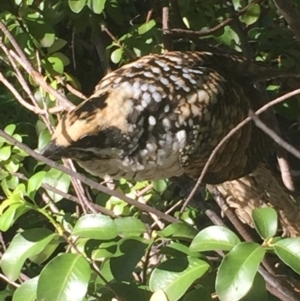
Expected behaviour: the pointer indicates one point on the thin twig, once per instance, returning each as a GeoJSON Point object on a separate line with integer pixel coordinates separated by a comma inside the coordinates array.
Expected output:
{"type": "Point", "coordinates": [100, 48]}
{"type": "Point", "coordinates": [19, 98]}
{"type": "Point", "coordinates": [21, 58]}
{"type": "Point", "coordinates": [291, 149]}
{"type": "Point", "coordinates": [229, 213]}
{"type": "Point", "coordinates": [167, 40]}
{"type": "Point", "coordinates": [84, 202]}
{"type": "Point", "coordinates": [120, 45]}
{"type": "Point", "coordinates": [71, 89]}
{"type": "Point", "coordinates": [149, 15]}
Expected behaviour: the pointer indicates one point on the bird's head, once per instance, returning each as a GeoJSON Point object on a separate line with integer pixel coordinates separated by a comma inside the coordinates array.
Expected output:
{"type": "Point", "coordinates": [101, 127]}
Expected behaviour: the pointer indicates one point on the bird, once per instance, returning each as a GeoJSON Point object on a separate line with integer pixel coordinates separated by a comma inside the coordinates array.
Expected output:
{"type": "Point", "coordinates": [162, 115]}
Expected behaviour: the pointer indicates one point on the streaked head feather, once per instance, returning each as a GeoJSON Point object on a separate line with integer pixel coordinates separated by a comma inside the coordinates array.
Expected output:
{"type": "Point", "coordinates": [100, 111]}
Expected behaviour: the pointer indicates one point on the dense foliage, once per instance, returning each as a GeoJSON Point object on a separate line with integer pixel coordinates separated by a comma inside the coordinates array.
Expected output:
{"type": "Point", "coordinates": [65, 239]}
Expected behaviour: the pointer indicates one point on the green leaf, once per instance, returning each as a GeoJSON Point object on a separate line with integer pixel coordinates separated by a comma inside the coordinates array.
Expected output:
{"type": "Point", "coordinates": [214, 238]}
{"type": "Point", "coordinates": [10, 129]}
{"type": "Point", "coordinates": [96, 6]}
{"type": "Point", "coordinates": [265, 221]}
{"type": "Point", "coordinates": [160, 185]}
{"type": "Point", "coordinates": [237, 271]}
{"type": "Point", "coordinates": [12, 182]}
{"type": "Point", "coordinates": [116, 55]}
{"type": "Point", "coordinates": [130, 226]}
{"type": "Point", "coordinates": [26, 291]}
{"type": "Point", "coordinates": [146, 27]}
{"type": "Point", "coordinates": [63, 58]}
{"type": "Point", "coordinates": [288, 250]}
{"type": "Point", "coordinates": [5, 152]}
{"type": "Point", "coordinates": [237, 4]}
{"type": "Point", "coordinates": [252, 14]}
{"type": "Point", "coordinates": [44, 139]}
{"type": "Point", "coordinates": [58, 43]}
{"type": "Point", "coordinates": [175, 276]}
{"type": "Point", "coordinates": [258, 290]}
{"type": "Point", "coordinates": [47, 251]}
{"type": "Point", "coordinates": [76, 5]}
{"type": "Point", "coordinates": [69, 274]}
{"type": "Point", "coordinates": [178, 230]}
{"type": "Point", "coordinates": [59, 180]}
{"type": "Point", "coordinates": [42, 31]}
{"type": "Point", "coordinates": [10, 215]}
{"type": "Point", "coordinates": [102, 250]}
{"type": "Point", "coordinates": [34, 183]}
{"type": "Point", "coordinates": [229, 37]}
{"type": "Point", "coordinates": [176, 249]}
{"type": "Point", "coordinates": [96, 226]}
{"type": "Point", "coordinates": [131, 250]}
{"type": "Point", "coordinates": [12, 166]}
{"type": "Point", "coordinates": [56, 64]}
{"type": "Point", "coordinates": [25, 244]}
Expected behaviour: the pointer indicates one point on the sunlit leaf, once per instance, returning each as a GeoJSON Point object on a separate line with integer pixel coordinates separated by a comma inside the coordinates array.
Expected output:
{"type": "Point", "coordinates": [69, 274]}
{"type": "Point", "coordinates": [237, 271]}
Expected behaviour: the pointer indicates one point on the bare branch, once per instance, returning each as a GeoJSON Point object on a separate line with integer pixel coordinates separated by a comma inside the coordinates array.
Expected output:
{"type": "Point", "coordinates": [19, 98]}
{"type": "Point", "coordinates": [291, 149]}
{"type": "Point", "coordinates": [167, 40]}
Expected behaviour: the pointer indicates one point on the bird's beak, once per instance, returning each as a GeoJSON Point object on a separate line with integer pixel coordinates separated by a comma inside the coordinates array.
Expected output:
{"type": "Point", "coordinates": [53, 151]}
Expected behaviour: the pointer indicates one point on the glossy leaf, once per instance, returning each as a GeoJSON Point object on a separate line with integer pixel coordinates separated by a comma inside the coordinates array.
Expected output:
{"type": "Point", "coordinates": [28, 243]}
{"type": "Point", "coordinates": [178, 230]}
{"type": "Point", "coordinates": [26, 291]}
{"type": "Point", "coordinates": [265, 221]}
{"type": "Point", "coordinates": [35, 182]}
{"type": "Point", "coordinates": [59, 180]}
{"type": "Point", "coordinates": [252, 14]}
{"type": "Point", "coordinates": [59, 43]}
{"type": "Point", "coordinates": [130, 226]}
{"type": "Point", "coordinates": [76, 5]}
{"type": "Point", "coordinates": [131, 250]}
{"type": "Point", "coordinates": [160, 185]}
{"type": "Point", "coordinates": [258, 290]}
{"type": "Point", "coordinates": [96, 6]}
{"type": "Point", "coordinates": [176, 249]}
{"type": "Point", "coordinates": [175, 276]}
{"type": "Point", "coordinates": [288, 250]}
{"type": "Point", "coordinates": [69, 274]}
{"type": "Point", "coordinates": [214, 238]}
{"type": "Point", "coordinates": [10, 129]}
{"type": "Point", "coordinates": [116, 55]}
{"type": "Point", "coordinates": [95, 226]}
{"type": "Point", "coordinates": [146, 27]}
{"type": "Point", "coordinates": [5, 152]}
{"type": "Point", "coordinates": [237, 271]}
{"type": "Point", "coordinates": [11, 214]}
